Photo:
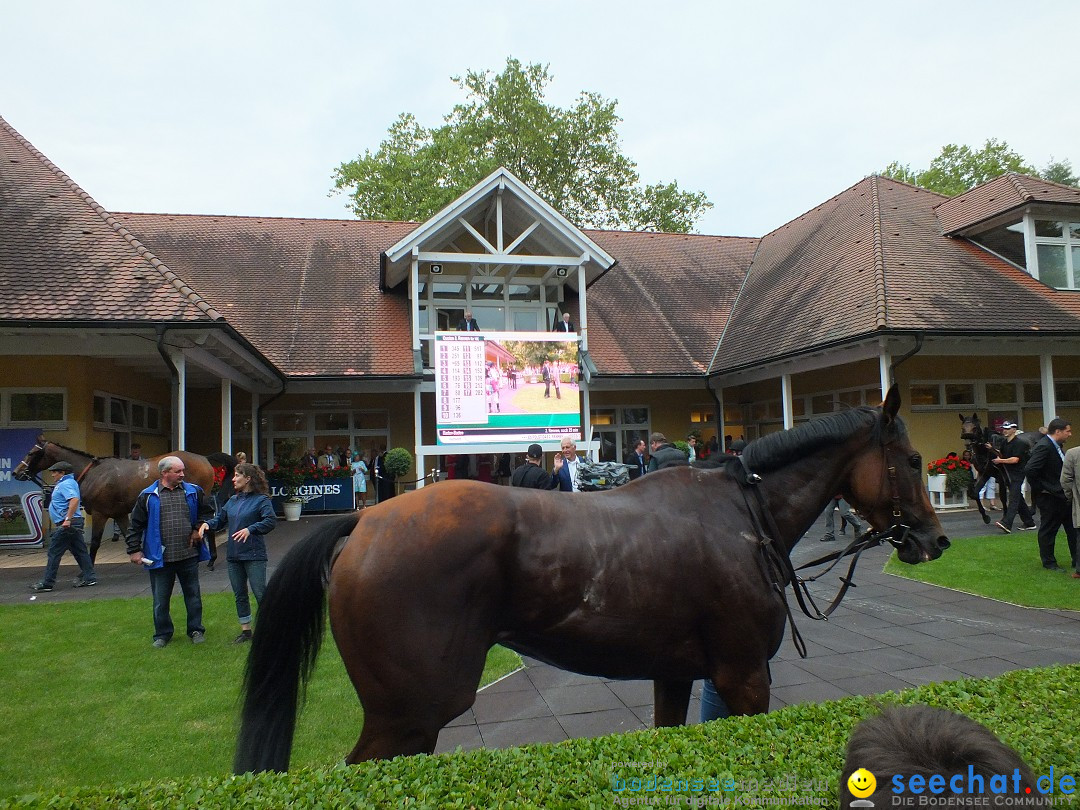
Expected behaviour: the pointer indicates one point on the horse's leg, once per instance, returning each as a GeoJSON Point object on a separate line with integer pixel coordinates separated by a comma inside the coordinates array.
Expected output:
{"type": "Point", "coordinates": [97, 528]}
{"type": "Point", "coordinates": [973, 493]}
{"type": "Point", "coordinates": [744, 690]}
{"type": "Point", "coordinates": [412, 678]}
{"type": "Point", "coordinates": [211, 541]}
{"type": "Point", "coordinates": [670, 702]}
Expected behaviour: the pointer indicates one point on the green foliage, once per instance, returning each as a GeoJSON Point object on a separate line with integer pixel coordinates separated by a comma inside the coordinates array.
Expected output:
{"type": "Point", "coordinates": [959, 168]}
{"type": "Point", "coordinates": [683, 446]}
{"type": "Point", "coordinates": [1001, 566]}
{"type": "Point", "coordinates": [569, 156]}
{"type": "Point", "coordinates": [87, 701]}
{"type": "Point", "coordinates": [398, 461]}
{"type": "Point", "coordinates": [1028, 709]}
{"type": "Point", "coordinates": [1060, 171]}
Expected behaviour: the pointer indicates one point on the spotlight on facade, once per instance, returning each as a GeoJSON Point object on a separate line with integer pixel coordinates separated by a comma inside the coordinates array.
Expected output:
{"type": "Point", "coordinates": [561, 272]}
{"type": "Point", "coordinates": [436, 269]}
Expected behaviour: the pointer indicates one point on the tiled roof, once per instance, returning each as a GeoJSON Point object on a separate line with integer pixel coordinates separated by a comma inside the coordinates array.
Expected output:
{"type": "Point", "coordinates": [63, 258]}
{"type": "Point", "coordinates": [998, 196]}
{"type": "Point", "coordinates": [873, 258]}
{"type": "Point", "coordinates": [305, 292]}
{"type": "Point", "coordinates": [662, 307]}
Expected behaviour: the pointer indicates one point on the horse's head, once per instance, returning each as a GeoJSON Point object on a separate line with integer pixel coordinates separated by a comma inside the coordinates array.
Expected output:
{"type": "Point", "coordinates": [887, 487]}
{"type": "Point", "coordinates": [32, 463]}
{"type": "Point", "coordinates": [970, 428]}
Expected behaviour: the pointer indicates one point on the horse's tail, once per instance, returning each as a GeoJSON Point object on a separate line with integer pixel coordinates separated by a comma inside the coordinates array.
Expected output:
{"type": "Point", "coordinates": [288, 633]}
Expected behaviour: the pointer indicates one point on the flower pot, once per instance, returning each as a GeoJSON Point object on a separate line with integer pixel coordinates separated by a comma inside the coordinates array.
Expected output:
{"type": "Point", "coordinates": [292, 509]}
{"type": "Point", "coordinates": [935, 483]}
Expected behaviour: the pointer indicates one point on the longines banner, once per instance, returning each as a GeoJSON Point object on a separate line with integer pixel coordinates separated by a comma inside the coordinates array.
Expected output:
{"type": "Point", "coordinates": [20, 501]}
{"type": "Point", "coordinates": [330, 495]}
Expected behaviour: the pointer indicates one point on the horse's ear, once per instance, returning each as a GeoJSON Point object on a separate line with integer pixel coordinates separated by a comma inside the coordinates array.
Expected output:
{"type": "Point", "coordinates": [962, 417]}
{"type": "Point", "coordinates": [891, 406]}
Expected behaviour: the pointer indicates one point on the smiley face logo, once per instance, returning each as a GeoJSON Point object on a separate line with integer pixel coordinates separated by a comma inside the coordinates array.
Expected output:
{"type": "Point", "coordinates": [861, 783]}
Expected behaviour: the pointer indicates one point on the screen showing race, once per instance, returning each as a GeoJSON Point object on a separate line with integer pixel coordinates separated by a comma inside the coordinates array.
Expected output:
{"type": "Point", "coordinates": [499, 387]}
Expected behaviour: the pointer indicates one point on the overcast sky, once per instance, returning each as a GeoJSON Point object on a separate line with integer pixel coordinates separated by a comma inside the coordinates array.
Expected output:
{"type": "Point", "coordinates": [770, 108]}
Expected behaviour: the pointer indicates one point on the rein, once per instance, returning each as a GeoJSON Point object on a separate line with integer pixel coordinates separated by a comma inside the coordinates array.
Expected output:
{"type": "Point", "coordinates": [777, 562]}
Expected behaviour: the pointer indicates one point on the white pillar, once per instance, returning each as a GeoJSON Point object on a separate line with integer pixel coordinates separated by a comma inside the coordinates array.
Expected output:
{"type": "Point", "coordinates": [254, 427]}
{"type": "Point", "coordinates": [785, 397]}
{"type": "Point", "coordinates": [583, 316]}
{"type": "Point", "coordinates": [1046, 377]}
{"type": "Point", "coordinates": [884, 365]}
{"type": "Point", "coordinates": [586, 418]}
{"type": "Point", "coordinates": [721, 422]}
{"type": "Point", "coordinates": [181, 400]}
{"type": "Point", "coordinates": [226, 416]}
{"type": "Point", "coordinates": [418, 440]}
{"type": "Point", "coordinates": [414, 301]}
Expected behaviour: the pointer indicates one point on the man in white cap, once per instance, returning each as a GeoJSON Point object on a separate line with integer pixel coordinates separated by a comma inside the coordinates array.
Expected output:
{"type": "Point", "coordinates": [65, 509]}
{"type": "Point", "coordinates": [1013, 459]}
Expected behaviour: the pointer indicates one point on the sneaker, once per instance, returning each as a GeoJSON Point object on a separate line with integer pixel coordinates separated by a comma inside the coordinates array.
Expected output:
{"type": "Point", "coordinates": [1032, 527]}
{"type": "Point", "coordinates": [1054, 568]}
{"type": "Point", "coordinates": [1003, 527]}
{"type": "Point", "coordinates": [198, 637]}
{"type": "Point", "coordinates": [84, 583]}
{"type": "Point", "coordinates": [828, 539]}
{"type": "Point", "coordinates": [160, 642]}
{"type": "Point", "coordinates": [243, 638]}
{"type": "Point", "coordinates": [41, 587]}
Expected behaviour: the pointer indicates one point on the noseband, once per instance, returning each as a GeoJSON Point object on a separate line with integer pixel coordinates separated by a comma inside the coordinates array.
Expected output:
{"type": "Point", "coordinates": [777, 562]}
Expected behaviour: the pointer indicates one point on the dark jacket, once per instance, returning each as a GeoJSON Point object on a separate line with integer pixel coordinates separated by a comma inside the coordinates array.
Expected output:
{"type": "Point", "coordinates": [246, 510]}
{"type": "Point", "coordinates": [637, 464]}
{"type": "Point", "coordinates": [1044, 469]}
{"type": "Point", "coordinates": [667, 455]}
{"type": "Point", "coordinates": [532, 476]}
{"type": "Point", "coordinates": [468, 325]}
{"type": "Point", "coordinates": [144, 530]}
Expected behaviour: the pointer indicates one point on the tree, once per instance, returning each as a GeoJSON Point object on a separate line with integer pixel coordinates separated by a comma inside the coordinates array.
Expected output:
{"type": "Point", "coordinates": [959, 168]}
{"type": "Point", "coordinates": [571, 157]}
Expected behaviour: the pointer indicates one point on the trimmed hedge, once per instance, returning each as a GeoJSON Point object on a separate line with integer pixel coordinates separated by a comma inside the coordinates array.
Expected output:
{"type": "Point", "coordinates": [796, 752]}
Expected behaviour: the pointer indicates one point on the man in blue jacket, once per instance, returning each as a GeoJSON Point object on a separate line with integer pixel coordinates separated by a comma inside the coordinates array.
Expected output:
{"type": "Point", "coordinates": [164, 536]}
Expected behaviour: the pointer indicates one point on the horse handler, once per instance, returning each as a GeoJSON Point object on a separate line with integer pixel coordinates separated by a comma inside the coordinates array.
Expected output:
{"type": "Point", "coordinates": [164, 536]}
{"type": "Point", "coordinates": [65, 509]}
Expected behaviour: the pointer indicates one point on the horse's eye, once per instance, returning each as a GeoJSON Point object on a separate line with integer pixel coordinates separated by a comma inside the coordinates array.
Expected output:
{"type": "Point", "coordinates": [916, 462]}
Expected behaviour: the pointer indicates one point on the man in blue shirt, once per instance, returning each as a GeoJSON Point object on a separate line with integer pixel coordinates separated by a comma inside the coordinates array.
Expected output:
{"type": "Point", "coordinates": [66, 514]}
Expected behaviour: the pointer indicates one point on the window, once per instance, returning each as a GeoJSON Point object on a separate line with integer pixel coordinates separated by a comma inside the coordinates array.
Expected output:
{"type": "Point", "coordinates": [34, 407]}
{"type": "Point", "coordinates": [1057, 252]}
{"type": "Point", "coordinates": [618, 429]}
{"type": "Point", "coordinates": [119, 413]}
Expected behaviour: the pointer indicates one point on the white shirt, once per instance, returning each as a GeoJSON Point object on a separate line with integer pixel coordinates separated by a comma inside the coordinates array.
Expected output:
{"type": "Point", "coordinates": [572, 466]}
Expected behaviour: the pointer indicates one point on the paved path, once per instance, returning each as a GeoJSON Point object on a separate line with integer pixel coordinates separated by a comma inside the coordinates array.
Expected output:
{"type": "Point", "coordinates": [889, 634]}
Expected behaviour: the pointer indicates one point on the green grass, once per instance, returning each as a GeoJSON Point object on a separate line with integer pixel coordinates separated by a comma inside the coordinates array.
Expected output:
{"type": "Point", "coordinates": [87, 701]}
{"type": "Point", "coordinates": [1004, 567]}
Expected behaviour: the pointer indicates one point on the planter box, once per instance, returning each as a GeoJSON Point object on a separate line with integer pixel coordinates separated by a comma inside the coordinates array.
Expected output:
{"type": "Point", "coordinates": [939, 498]}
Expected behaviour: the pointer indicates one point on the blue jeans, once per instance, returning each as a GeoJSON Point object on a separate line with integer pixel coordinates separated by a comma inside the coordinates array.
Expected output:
{"type": "Point", "coordinates": [161, 585]}
{"type": "Point", "coordinates": [68, 539]}
{"type": "Point", "coordinates": [713, 706]}
{"type": "Point", "coordinates": [241, 573]}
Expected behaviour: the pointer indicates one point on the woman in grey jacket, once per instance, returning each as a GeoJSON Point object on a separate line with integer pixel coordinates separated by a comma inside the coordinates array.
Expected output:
{"type": "Point", "coordinates": [249, 514]}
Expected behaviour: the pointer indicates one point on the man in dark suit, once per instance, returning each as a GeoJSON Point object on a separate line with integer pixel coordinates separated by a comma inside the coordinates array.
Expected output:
{"type": "Point", "coordinates": [468, 323]}
{"type": "Point", "coordinates": [531, 474]}
{"type": "Point", "coordinates": [1044, 478]}
{"type": "Point", "coordinates": [636, 461]}
{"type": "Point", "coordinates": [565, 325]}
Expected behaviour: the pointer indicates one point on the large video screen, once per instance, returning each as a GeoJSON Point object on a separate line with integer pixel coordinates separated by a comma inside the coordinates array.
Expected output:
{"type": "Point", "coordinates": [499, 387]}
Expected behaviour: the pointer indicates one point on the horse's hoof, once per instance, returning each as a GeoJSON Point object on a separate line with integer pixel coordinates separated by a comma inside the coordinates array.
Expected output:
{"type": "Point", "coordinates": [986, 518]}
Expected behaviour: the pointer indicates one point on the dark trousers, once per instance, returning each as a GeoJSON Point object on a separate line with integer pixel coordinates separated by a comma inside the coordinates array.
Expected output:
{"type": "Point", "coordinates": [68, 539]}
{"type": "Point", "coordinates": [161, 586]}
{"type": "Point", "coordinates": [1017, 504]}
{"type": "Point", "coordinates": [1055, 513]}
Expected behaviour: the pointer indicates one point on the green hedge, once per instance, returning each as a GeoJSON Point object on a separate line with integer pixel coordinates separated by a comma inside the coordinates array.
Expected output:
{"type": "Point", "coordinates": [1032, 710]}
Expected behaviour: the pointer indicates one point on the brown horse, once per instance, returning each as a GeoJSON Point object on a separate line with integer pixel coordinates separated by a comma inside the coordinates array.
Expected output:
{"type": "Point", "coordinates": [662, 579]}
{"type": "Point", "coordinates": [109, 486]}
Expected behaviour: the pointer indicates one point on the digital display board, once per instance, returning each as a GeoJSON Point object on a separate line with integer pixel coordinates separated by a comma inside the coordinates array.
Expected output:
{"type": "Point", "coordinates": [506, 387]}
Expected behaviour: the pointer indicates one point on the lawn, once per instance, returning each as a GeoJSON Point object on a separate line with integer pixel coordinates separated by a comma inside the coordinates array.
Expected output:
{"type": "Point", "coordinates": [1002, 566]}
{"type": "Point", "coordinates": [88, 701]}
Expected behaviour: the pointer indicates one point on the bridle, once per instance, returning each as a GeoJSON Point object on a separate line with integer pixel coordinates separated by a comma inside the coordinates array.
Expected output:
{"type": "Point", "coordinates": [26, 475]}
{"type": "Point", "coordinates": [777, 562]}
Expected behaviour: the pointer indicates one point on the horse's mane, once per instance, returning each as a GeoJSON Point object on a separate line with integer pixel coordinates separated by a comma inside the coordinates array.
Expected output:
{"type": "Point", "coordinates": [80, 452]}
{"type": "Point", "coordinates": [779, 449]}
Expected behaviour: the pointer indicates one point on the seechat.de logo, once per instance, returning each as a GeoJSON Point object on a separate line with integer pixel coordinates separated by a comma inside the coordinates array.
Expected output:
{"type": "Point", "coordinates": [861, 783]}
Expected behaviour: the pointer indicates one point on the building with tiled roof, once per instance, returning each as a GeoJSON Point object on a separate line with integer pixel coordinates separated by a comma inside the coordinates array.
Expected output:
{"type": "Point", "coordinates": [277, 335]}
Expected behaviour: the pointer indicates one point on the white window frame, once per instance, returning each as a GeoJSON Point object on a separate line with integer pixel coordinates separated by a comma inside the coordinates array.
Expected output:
{"type": "Point", "coordinates": [52, 424]}
{"type": "Point", "coordinates": [127, 402]}
{"type": "Point", "coordinates": [1067, 240]}
{"type": "Point", "coordinates": [980, 395]}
